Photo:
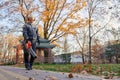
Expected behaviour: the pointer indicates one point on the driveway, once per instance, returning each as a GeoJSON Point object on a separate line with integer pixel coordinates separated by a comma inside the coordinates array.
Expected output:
{"type": "Point", "coordinates": [14, 73]}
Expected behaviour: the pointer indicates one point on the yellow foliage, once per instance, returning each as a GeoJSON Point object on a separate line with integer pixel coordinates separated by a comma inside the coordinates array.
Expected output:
{"type": "Point", "coordinates": [73, 17]}
{"type": "Point", "coordinates": [62, 28]}
{"type": "Point", "coordinates": [51, 7]}
{"type": "Point", "coordinates": [88, 20]}
{"type": "Point", "coordinates": [40, 31]}
{"type": "Point", "coordinates": [84, 4]}
{"type": "Point", "coordinates": [46, 13]}
{"type": "Point", "coordinates": [71, 26]}
{"type": "Point", "coordinates": [72, 31]}
{"type": "Point", "coordinates": [78, 1]}
{"type": "Point", "coordinates": [59, 18]}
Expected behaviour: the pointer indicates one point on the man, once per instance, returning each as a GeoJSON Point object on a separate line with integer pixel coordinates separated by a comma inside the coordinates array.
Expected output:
{"type": "Point", "coordinates": [30, 34]}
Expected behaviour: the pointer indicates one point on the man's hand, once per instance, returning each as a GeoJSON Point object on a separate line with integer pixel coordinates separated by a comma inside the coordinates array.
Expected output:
{"type": "Point", "coordinates": [28, 45]}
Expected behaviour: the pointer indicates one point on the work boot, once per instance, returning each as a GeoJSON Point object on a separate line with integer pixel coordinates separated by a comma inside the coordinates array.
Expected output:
{"type": "Point", "coordinates": [27, 66]}
{"type": "Point", "coordinates": [31, 66]}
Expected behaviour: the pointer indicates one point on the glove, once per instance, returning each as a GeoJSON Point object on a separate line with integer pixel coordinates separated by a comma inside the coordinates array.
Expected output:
{"type": "Point", "coordinates": [28, 45]}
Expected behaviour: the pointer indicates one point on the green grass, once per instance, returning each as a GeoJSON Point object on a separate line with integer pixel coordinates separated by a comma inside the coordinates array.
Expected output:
{"type": "Point", "coordinates": [54, 67]}
{"type": "Point", "coordinates": [113, 69]}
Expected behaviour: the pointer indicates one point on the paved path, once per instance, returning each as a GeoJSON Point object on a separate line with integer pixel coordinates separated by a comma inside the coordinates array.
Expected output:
{"type": "Point", "coordinates": [9, 75]}
{"type": "Point", "coordinates": [14, 73]}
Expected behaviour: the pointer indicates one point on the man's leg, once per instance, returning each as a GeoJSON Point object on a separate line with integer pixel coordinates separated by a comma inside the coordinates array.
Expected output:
{"type": "Point", "coordinates": [26, 59]}
{"type": "Point", "coordinates": [32, 58]}
{"type": "Point", "coordinates": [31, 61]}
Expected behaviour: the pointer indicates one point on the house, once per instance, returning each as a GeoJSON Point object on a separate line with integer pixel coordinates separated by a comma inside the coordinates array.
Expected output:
{"type": "Point", "coordinates": [58, 59]}
{"type": "Point", "coordinates": [72, 57]}
{"type": "Point", "coordinates": [76, 57]}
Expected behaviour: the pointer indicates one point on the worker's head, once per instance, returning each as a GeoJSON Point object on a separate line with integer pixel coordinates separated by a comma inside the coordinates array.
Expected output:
{"type": "Point", "coordinates": [30, 19]}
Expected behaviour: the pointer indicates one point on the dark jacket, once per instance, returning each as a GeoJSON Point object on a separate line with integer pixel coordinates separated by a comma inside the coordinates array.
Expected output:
{"type": "Point", "coordinates": [30, 32]}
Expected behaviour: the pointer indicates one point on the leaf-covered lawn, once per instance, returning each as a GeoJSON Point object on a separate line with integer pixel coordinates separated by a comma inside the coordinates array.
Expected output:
{"type": "Point", "coordinates": [97, 69]}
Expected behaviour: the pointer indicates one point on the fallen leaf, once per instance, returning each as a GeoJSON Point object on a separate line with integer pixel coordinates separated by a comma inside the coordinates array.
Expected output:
{"type": "Point", "coordinates": [50, 78]}
{"type": "Point", "coordinates": [84, 72]}
{"type": "Point", "coordinates": [46, 79]}
{"type": "Point", "coordinates": [26, 72]}
{"type": "Point", "coordinates": [70, 75]}
{"type": "Point", "coordinates": [31, 78]}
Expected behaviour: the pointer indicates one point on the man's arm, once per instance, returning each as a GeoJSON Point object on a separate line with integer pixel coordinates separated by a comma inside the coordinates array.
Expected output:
{"type": "Point", "coordinates": [25, 35]}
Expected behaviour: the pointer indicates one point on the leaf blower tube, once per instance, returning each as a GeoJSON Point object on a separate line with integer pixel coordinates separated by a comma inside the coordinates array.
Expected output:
{"type": "Point", "coordinates": [30, 50]}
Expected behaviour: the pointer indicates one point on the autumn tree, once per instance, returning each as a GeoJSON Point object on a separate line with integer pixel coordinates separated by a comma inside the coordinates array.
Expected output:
{"type": "Point", "coordinates": [3, 28]}
{"type": "Point", "coordinates": [81, 38]}
{"type": "Point", "coordinates": [57, 18]}
{"type": "Point", "coordinates": [7, 47]}
{"type": "Point", "coordinates": [113, 30]}
{"type": "Point", "coordinates": [114, 6]}
{"type": "Point", "coordinates": [97, 50]}
{"type": "Point", "coordinates": [95, 11]}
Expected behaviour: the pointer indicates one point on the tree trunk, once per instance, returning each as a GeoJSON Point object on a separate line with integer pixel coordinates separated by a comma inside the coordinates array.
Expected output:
{"type": "Point", "coordinates": [83, 59]}
{"type": "Point", "coordinates": [90, 60]}
{"type": "Point", "coordinates": [116, 59]}
{"type": "Point", "coordinates": [102, 58]}
{"type": "Point", "coordinates": [45, 51]}
{"type": "Point", "coordinates": [46, 56]}
{"type": "Point", "coordinates": [110, 59]}
{"type": "Point", "coordinates": [90, 38]}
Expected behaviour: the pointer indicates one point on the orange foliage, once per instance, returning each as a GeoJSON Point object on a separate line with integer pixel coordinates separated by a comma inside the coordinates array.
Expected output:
{"type": "Point", "coordinates": [73, 69]}
{"type": "Point", "coordinates": [89, 68]}
{"type": "Point", "coordinates": [58, 16]}
{"type": "Point", "coordinates": [77, 69]}
{"type": "Point", "coordinates": [52, 14]}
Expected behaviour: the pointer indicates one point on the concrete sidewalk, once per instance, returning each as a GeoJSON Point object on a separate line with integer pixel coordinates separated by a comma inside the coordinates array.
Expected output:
{"type": "Point", "coordinates": [9, 75]}
{"type": "Point", "coordinates": [14, 73]}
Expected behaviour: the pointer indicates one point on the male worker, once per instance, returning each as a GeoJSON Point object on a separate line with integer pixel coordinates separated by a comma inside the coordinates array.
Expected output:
{"type": "Point", "coordinates": [30, 34]}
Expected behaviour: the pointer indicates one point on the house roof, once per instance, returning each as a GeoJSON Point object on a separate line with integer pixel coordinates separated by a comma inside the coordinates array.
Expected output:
{"type": "Point", "coordinates": [44, 40]}
{"type": "Point", "coordinates": [44, 45]}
